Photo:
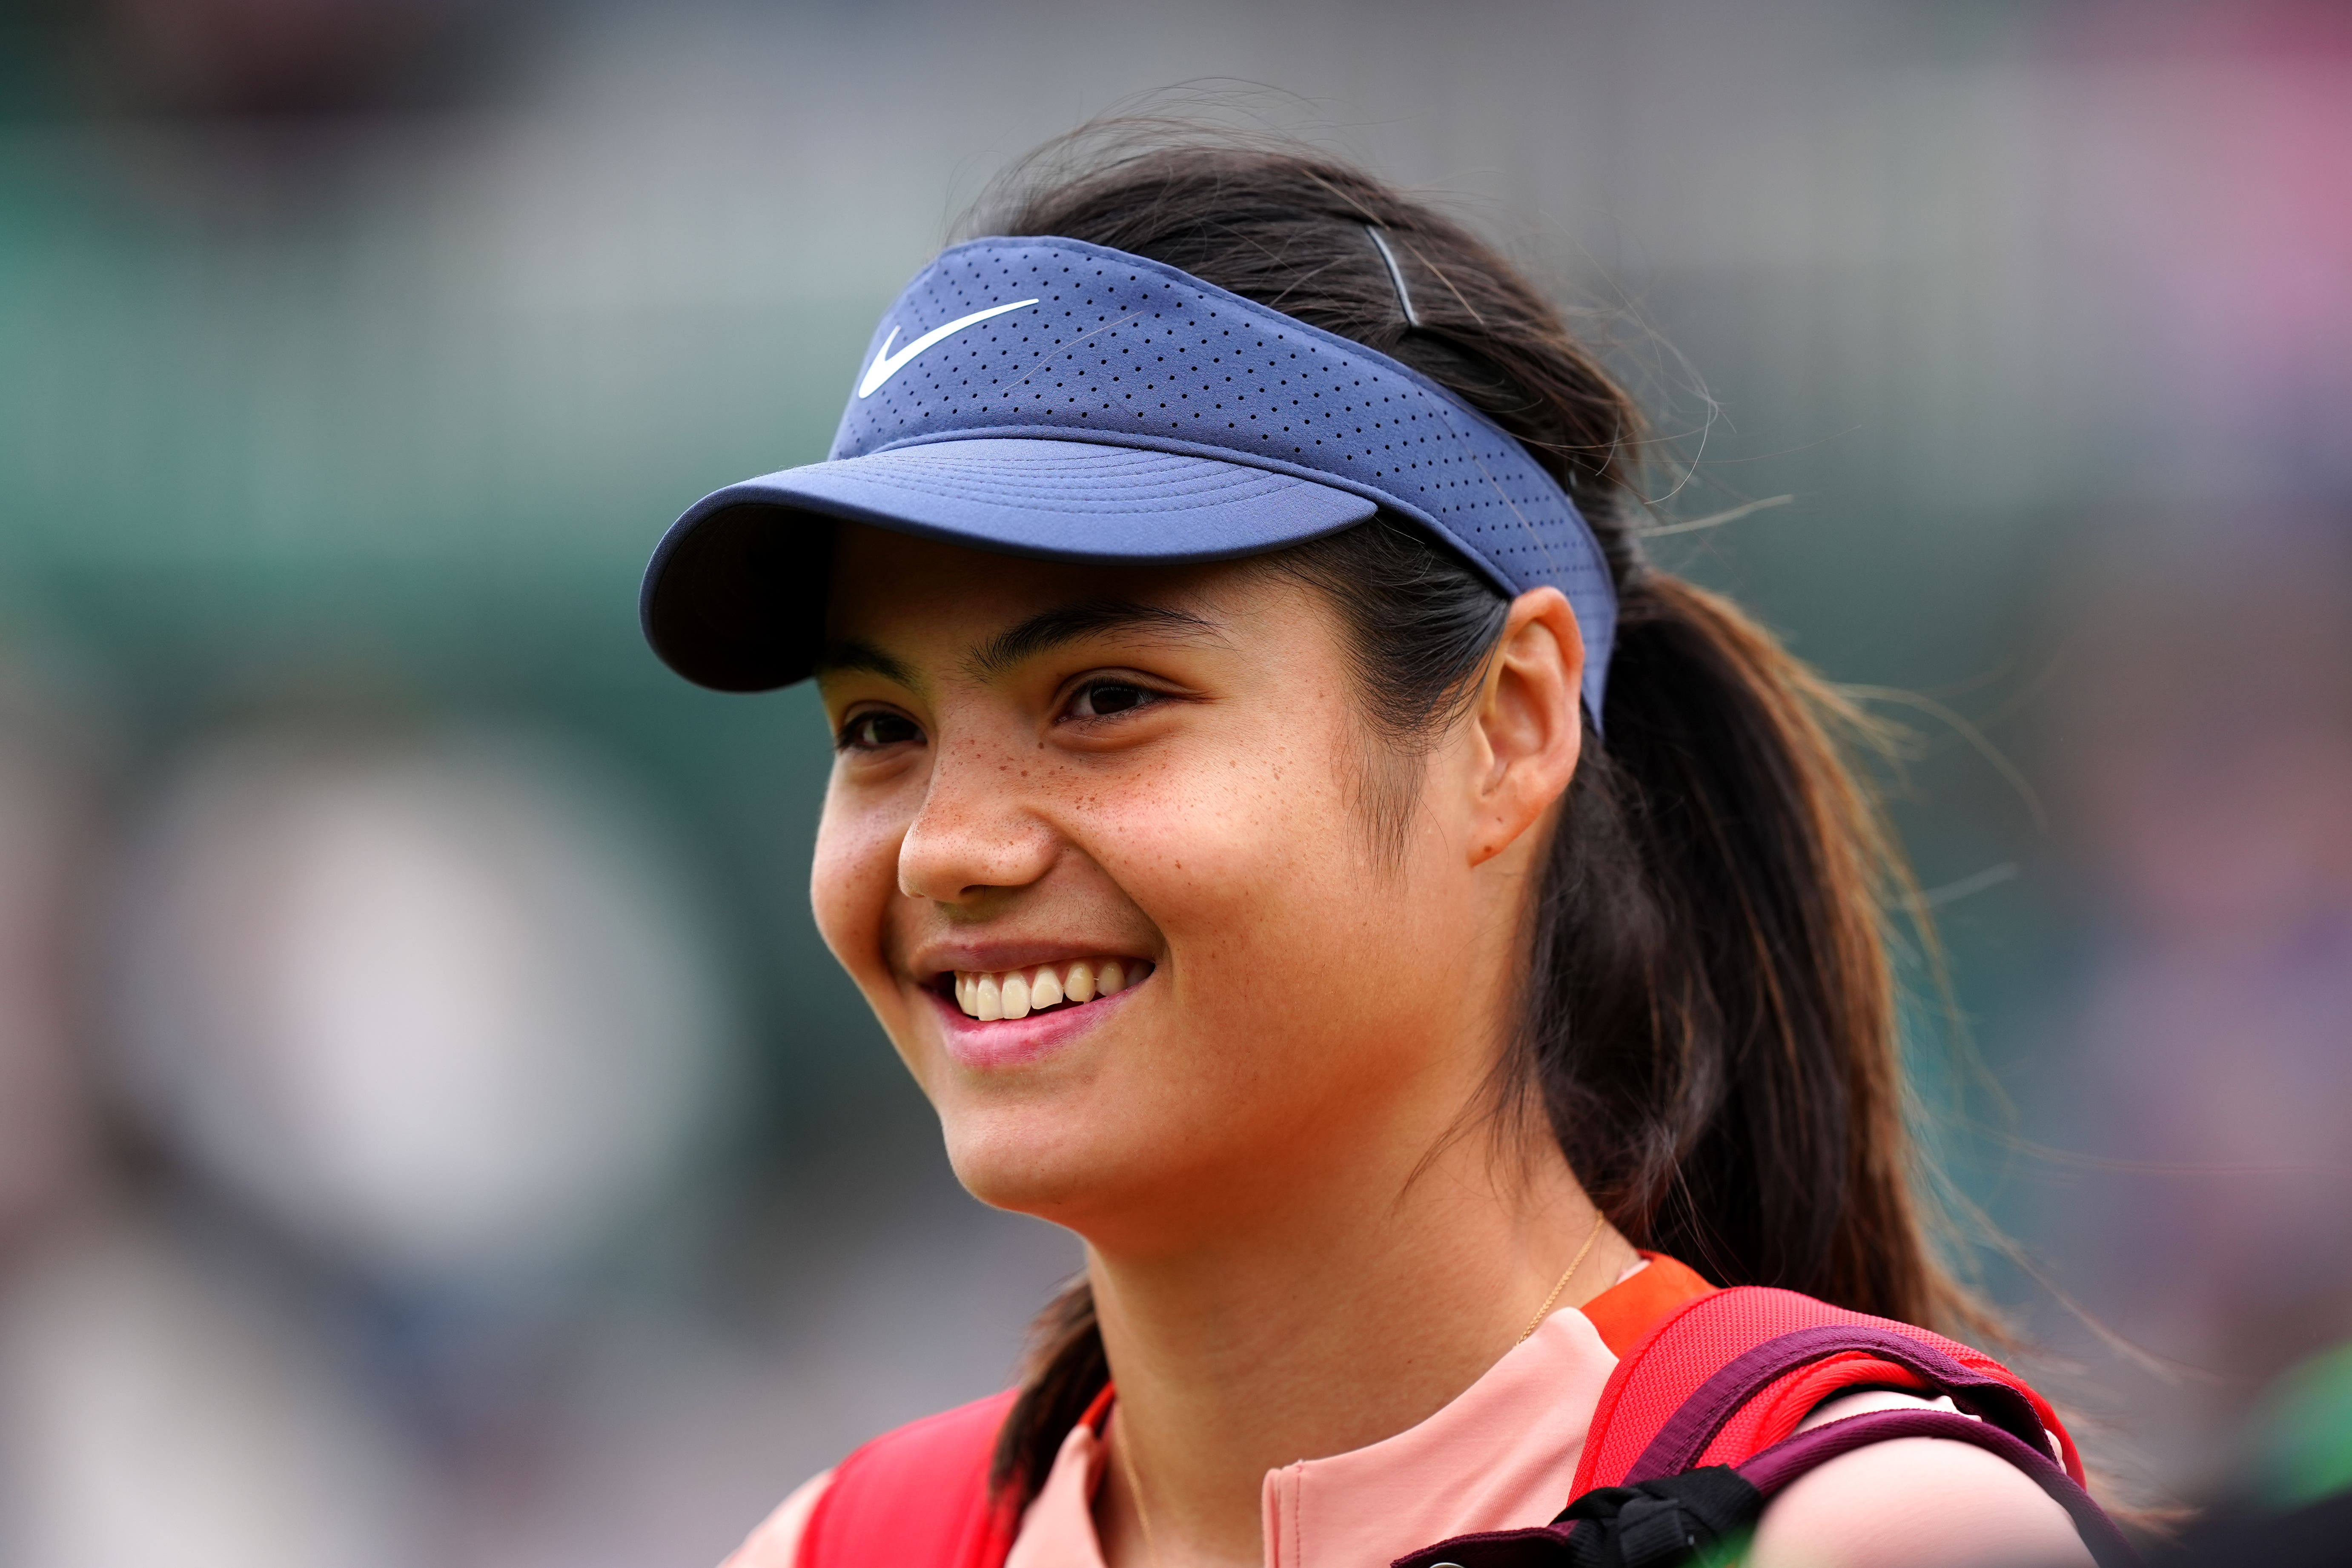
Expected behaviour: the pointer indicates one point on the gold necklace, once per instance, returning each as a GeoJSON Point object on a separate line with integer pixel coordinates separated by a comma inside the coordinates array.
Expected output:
{"type": "Point", "coordinates": [1574, 1264]}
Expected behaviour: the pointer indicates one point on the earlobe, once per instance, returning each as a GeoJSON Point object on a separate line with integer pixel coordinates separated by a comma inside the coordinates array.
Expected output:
{"type": "Point", "coordinates": [1528, 724]}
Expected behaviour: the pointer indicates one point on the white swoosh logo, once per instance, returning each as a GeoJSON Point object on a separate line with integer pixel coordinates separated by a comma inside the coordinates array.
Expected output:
{"type": "Point", "coordinates": [888, 364]}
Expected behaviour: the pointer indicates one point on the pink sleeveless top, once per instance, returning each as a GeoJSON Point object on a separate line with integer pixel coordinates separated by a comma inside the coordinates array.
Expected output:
{"type": "Point", "coordinates": [1501, 1455]}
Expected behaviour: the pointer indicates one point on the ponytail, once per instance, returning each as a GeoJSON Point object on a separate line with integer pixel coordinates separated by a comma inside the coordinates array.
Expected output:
{"type": "Point", "coordinates": [1711, 1015]}
{"type": "Point", "coordinates": [1709, 1022]}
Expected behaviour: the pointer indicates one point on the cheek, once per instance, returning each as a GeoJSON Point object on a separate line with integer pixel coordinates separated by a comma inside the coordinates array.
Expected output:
{"type": "Point", "coordinates": [1198, 847]}
{"type": "Point", "coordinates": [1283, 935]}
{"type": "Point", "coordinates": [854, 879]}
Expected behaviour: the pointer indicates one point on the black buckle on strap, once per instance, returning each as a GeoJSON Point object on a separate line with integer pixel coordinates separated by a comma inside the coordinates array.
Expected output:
{"type": "Point", "coordinates": [1696, 1517]}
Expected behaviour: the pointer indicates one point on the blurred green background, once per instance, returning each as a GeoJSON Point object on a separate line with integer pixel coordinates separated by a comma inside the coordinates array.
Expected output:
{"type": "Point", "coordinates": [353, 353]}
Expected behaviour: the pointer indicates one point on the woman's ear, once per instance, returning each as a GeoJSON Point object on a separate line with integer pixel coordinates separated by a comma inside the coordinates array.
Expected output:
{"type": "Point", "coordinates": [1527, 726]}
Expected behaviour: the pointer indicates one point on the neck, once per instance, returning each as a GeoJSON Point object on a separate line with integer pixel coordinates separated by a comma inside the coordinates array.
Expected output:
{"type": "Point", "coordinates": [1336, 1323]}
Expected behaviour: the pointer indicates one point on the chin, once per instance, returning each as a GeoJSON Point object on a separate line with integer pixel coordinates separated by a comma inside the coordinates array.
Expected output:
{"type": "Point", "coordinates": [1049, 1158]}
{"type": "Point", "coordinates": [1030, 1163]}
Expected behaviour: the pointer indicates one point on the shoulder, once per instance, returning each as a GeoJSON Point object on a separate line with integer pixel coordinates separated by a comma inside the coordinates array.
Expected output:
{"type": "Point", "coordinates": [918, 1494]}
{"type": "Point", "coordinates": [1731, 1378]}
{"type": "Point", "coordinates": [1912, 1503]}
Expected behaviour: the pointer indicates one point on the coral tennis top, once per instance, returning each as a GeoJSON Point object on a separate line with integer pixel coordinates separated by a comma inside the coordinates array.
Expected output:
{"type": "Point", "coordinates": [1501, 1455]}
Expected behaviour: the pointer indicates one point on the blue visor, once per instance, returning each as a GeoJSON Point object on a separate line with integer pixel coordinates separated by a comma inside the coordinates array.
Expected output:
{"type": "Point", "coordinates": [1052, 398]}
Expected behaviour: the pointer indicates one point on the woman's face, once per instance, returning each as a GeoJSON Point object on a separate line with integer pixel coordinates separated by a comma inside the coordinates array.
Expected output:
{"type": "Point", "coordinates": [1055, 778]}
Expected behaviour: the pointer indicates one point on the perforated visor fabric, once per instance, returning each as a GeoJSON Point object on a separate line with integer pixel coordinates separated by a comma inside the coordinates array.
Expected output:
{"type": "Point", "coordinates": [1052, 398]}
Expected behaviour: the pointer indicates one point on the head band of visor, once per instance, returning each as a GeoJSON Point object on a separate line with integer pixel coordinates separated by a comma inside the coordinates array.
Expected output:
{"type": "Point", "coordinates": [1056, 399]}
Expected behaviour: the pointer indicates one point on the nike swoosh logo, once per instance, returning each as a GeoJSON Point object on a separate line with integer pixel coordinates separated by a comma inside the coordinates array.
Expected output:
{"type": "Point", "coordinates": [888, 364]}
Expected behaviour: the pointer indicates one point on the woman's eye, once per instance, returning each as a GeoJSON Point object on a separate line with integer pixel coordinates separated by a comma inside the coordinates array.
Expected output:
{"type": "Point", "coordinates": [872, 731]}
{"type": "Point", "coordinates": [1103, 698]}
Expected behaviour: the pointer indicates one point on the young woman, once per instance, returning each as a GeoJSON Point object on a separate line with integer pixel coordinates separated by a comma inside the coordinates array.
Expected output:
{"type": "Point", "coordinates": [1300, 845]}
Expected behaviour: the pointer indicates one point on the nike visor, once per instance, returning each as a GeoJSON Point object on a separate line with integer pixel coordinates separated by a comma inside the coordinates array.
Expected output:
{"type": "Point", "coordinates": [1051, 398]}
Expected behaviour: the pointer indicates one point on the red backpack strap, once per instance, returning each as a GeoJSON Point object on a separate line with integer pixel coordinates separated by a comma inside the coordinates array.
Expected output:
{"type": "Point", "coordinates": [1626, 1312]}
{"type": "Point", "coordinates": [1721, 1379]}
{"type": "Point", "coordinates": [916, 1498]}
{"type": "Point", "coordinates": [1696, 1432]}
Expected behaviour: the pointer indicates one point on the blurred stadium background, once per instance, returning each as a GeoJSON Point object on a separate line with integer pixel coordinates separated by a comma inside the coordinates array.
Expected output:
{"type": "Point", "coordinates": [430, 1130]}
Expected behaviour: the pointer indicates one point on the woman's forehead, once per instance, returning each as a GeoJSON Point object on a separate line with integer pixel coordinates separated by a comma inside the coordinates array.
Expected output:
{"type": "Point", "coordinates": [925, 599]}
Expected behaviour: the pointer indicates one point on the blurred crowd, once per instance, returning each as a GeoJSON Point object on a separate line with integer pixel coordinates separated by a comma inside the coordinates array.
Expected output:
{"type": "Point", "coordinates": [430, 1131]}
{"type": "Point", "coordinates": [2196, 1134]}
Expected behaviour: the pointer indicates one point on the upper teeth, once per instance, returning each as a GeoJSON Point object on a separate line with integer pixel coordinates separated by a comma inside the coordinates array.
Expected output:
{"type": "Point", "coordinates": [1017, 992]}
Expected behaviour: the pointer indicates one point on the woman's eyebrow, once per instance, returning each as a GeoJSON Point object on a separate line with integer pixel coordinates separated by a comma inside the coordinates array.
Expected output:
{"type": "Point", "coordinates": [1050, 629]}
{"type": "Point", "coordinates": [863, 657]}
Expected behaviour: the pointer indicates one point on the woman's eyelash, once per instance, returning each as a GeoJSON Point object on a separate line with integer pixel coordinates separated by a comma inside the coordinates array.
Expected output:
{"type": "Point", "coordinates": [1103, 698]}
{"type": "Point", "coordinates": [1109, 699]}
{"type": "Point", "coordinates": [872, 731]}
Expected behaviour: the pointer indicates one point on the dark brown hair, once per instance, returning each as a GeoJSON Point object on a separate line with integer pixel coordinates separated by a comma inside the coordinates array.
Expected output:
{"type": "Point", "coordinates": [1709, 1019]}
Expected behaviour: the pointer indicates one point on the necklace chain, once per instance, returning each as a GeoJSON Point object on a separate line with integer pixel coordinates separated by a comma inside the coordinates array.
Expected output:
{"type": "Point", "coordinates": [1598, 1223]}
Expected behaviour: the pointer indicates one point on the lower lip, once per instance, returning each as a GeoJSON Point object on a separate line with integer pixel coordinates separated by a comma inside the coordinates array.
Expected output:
{"type": "Point", "coordinates": [1018, 1042]}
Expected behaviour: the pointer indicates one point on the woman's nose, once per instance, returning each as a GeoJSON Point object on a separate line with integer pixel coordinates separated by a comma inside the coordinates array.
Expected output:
{"type": "Point", "coordinates": [972, 835]}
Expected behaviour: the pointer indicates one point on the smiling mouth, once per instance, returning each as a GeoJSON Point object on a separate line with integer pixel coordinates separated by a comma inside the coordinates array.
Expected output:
{"type": "Point", "coordinates": [1017, 992]}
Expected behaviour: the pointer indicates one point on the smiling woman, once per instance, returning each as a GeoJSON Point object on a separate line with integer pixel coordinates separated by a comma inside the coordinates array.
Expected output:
{"type": "Point", "coordinates": [1431, 957]}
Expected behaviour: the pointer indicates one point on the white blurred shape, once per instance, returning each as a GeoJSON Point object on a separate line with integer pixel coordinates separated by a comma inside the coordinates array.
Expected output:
{"type": "Point", "coordinates": [438, 1008]}
{"type": "Point", "coordinates": [159, 1413]}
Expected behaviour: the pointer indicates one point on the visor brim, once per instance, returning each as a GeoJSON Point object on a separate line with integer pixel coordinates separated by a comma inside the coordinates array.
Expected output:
{"type": "Point", "coordinates": [734, 597]}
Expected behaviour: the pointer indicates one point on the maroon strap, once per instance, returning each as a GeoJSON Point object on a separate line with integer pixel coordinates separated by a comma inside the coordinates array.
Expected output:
{"type": "Point", "coordinates": [1683, 1438]}
{"type": "Point", "coordinates": [1563, 1544]}
{"type": "Point", "coordinates": [1772, 1472]}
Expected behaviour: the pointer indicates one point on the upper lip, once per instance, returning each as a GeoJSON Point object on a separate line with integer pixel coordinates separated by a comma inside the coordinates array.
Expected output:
{"type": "Point", "coordinates": [937, 958]}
